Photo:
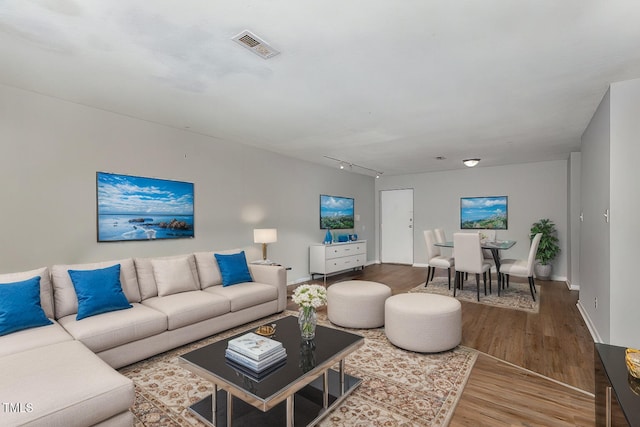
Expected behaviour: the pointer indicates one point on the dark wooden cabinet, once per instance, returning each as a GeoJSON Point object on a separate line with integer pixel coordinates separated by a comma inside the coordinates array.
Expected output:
{"type": "Point", "coordinates": [617, 401]}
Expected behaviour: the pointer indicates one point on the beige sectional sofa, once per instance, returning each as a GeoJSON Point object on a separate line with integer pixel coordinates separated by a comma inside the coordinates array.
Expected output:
{"type": "Point", "coordinates": [64, 374]}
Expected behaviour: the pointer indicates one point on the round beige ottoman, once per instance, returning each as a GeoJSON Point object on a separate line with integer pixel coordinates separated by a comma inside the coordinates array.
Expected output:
{"type": "Point", "coordinates": [425, 323]}
{"type": "Point", "coordinates": [357, 303]}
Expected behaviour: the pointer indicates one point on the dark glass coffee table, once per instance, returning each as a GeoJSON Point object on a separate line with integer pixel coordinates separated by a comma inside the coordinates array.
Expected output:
{"type": "Point", "coordinates": [300, 392]}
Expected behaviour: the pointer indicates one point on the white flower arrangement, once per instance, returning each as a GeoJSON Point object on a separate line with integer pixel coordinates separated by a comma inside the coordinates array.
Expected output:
{"type": "Point", "coordinates": [310, 296]}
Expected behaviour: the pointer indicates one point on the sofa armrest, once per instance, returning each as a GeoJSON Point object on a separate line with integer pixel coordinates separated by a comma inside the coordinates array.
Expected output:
{"type": "Point", "coordinates": [273, 275]}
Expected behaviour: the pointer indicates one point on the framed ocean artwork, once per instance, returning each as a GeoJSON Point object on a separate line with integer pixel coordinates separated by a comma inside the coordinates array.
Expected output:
{"type": "Point", "coordinates": [139, 208]}
{"type": "Point", "coordinates": [484, 213]}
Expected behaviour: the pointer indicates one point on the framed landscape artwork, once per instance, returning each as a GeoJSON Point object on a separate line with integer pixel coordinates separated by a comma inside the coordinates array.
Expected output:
{"type": "Point", "coordinates": [483, 213]}
{"type": "Point", "coordinates": [138, 208]}
{"type": "Point", "coordinates": [336, 213]}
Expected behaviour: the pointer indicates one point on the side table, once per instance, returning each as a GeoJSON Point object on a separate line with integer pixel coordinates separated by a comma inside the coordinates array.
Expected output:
{"type": "Point", "coordinates": [617, 401]}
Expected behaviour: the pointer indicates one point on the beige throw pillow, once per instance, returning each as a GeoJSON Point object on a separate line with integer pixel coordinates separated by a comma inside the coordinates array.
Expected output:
{"type": "Point", "coordinates": [173, 276]}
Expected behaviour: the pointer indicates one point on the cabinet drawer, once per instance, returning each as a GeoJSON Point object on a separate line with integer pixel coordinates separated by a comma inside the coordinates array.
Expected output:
{"type": "Point", "coordinates": [344, 263]}
{"type": "Point", "coordinates": [345, 250]}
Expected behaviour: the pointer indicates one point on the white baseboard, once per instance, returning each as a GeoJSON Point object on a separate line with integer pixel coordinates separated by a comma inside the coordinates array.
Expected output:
{"type": "Point", "coordinates": [572, 287]}
{"type": "Point", "coordinates": [587, 320]}
{"type": "Point", "coordinates": [419, 264]}
{"type": "Point", "coordinates": [300, 280]}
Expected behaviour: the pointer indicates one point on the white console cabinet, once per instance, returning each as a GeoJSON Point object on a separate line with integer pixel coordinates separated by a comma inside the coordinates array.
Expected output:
{"type": "Point", "coordinates": [327, 259]}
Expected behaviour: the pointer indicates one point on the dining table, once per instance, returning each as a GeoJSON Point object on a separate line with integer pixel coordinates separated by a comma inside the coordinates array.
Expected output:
{"type": "Point", "coordinates": [495, 246]}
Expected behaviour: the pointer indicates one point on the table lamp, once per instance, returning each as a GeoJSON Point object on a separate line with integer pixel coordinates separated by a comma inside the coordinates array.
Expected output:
{"type": "Point", "coordinates": [264, 236]}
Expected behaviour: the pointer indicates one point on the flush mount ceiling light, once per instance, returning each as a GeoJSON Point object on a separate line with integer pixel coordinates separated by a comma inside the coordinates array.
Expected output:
{"type": "Point", "coordinates": [470, 162]}
{"type": "Point", "coordinates": [343, 165]}
{"type": "Point", "coordinates": [255, 44]}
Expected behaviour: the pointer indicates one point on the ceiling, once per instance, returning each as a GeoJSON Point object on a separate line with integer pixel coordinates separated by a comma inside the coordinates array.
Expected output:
{"type": "Point", "coordinates": [389, 85]}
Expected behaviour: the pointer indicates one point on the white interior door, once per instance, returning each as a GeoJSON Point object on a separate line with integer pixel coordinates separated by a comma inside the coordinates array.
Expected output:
{"type": "Point", "coordinates": [396, 226]}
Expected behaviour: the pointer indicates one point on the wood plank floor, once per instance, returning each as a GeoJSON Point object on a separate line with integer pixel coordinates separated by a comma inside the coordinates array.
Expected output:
{"type": "Point", "coordinates": [535, 369]}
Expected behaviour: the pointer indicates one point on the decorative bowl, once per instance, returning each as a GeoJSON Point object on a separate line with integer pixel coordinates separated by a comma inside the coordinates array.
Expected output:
{"type": "Point", "coordinates": [634, 384]}
{"type": "Point", "coordinates": [266, 330]}
{"type": "Point", "coordinates": [632, 357]}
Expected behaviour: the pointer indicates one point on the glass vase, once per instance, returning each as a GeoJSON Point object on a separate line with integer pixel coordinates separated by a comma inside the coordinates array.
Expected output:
{"type": "Point", "coordinates": [307, 355]}
{"type": "Point", "coordinates": [307, 320]}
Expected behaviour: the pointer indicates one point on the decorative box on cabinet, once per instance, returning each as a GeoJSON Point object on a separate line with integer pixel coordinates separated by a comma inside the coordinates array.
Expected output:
{"type": "Point", "coordinates": [327, 259]}
{"type": "Point", "coordinates": [616, 402]}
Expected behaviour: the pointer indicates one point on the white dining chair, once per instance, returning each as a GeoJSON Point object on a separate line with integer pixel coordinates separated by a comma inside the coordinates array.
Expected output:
{"type": "Point", "coordinates": [469, 260]}
{"type": "Point", "coordinates": [489, 236]}
{"type": "Point", "coordinates": [442, 238]}
{"type": "Point", "coordinates": [522, 267]}
{"type": "Point", "coordinates": [435, 259]}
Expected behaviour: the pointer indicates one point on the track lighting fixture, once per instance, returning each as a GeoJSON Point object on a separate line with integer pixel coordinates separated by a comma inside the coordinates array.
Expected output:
{"type": "Point", "coordinates": [343, 165]}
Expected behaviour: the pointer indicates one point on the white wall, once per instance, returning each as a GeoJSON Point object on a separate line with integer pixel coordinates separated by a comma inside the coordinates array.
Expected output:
{"type": "Point", "coordinates": [573, 219]}
{"type": "Point", "coordinates": [609, 251]}
{"type": "Point", "coordinates": [535, 191]}
{"type": "Point", "coordinates": [594, 231]}
{"type": "Point", "coordinates": [52, 149]}
{"type": "Point", "coordinates": [625, 205]}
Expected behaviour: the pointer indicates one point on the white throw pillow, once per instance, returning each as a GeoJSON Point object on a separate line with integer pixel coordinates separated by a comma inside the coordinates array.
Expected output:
{"type": "Point", "coordinates": [173, 276]}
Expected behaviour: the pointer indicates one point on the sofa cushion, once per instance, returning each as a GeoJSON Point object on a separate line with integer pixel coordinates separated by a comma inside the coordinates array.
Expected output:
{"type": "Point", "coordinates": [46, 291]}
{"type": "Point", "coordinates": [173, 275]}
{"type": "Point", "coordinates": [66, 301]}
{"type": "Point", "coordinates": [64, 384]}
{"type": "Point", "coordinates": [187, 308]}
{"type": "Point", "coordinates": [20, 306]}
{"type": "Point", "coordinates": [245, 295]}
{"type": "Point", "coordinates": [32, 338]}
{"type": "Point", "coordinates": [146, 277]}
{"type": "Point", "coordinates": [208, 270]}
{"type": "Point", "coordinates": [108, 330]}
{"type": "Point", "coordinates": [98, 291]}
{"type": "Point", "coordinates": [233, 268]}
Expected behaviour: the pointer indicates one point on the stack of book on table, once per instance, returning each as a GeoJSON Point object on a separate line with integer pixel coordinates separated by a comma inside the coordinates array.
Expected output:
{"type": "Point", "coordinates": [255, 355]}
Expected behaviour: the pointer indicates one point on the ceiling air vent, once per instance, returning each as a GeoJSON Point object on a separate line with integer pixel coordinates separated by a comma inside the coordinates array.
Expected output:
{"type": "Point", "coordinates": [255, 44]}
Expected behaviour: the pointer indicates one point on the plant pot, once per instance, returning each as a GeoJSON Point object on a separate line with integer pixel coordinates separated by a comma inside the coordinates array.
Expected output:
{"type": "Point", "coordinates": [543, 271]}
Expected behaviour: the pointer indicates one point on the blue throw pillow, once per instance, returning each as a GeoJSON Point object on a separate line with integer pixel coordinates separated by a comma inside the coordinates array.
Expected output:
{"type": "Point", "coordinates": [20, 306]}
{"type": "Point", "coordinates": [98, 291]}
{"type": "Point", "coordinates": [233, 268]}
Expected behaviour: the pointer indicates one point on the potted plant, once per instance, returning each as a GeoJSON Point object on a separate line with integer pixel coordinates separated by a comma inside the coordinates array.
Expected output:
{"type": "Point", "coordinates": [548, 248]}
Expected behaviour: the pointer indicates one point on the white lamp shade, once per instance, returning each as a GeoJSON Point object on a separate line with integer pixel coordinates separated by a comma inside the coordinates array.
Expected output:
{"type": "Point", "coordinates": [265, 235]}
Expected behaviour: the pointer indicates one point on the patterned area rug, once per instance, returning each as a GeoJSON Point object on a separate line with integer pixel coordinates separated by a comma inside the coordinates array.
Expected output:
{"type": "Point", "coordinates": [399, 388]}
{"type": "Point", "coordinates": [517, 296]}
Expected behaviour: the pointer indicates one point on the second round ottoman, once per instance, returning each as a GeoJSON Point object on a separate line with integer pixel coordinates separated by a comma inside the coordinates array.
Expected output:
{"type": "Point", "coordinates": [357, 303]}
{"type": "Point", "coordinates": [424, 323]}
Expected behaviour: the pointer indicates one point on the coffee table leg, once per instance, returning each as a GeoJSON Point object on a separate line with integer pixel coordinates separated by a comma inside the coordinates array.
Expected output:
{"type": "Point", "coordinates": [325, 390]}
{"type": "Point", "coordinates": [214, 405]}
{"type": "Point", "coordinates": [342, 377]}
{"type": "Point", "coordinates": [229, 409]}
{"type": "Point", "coordinates": [290, 411]}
